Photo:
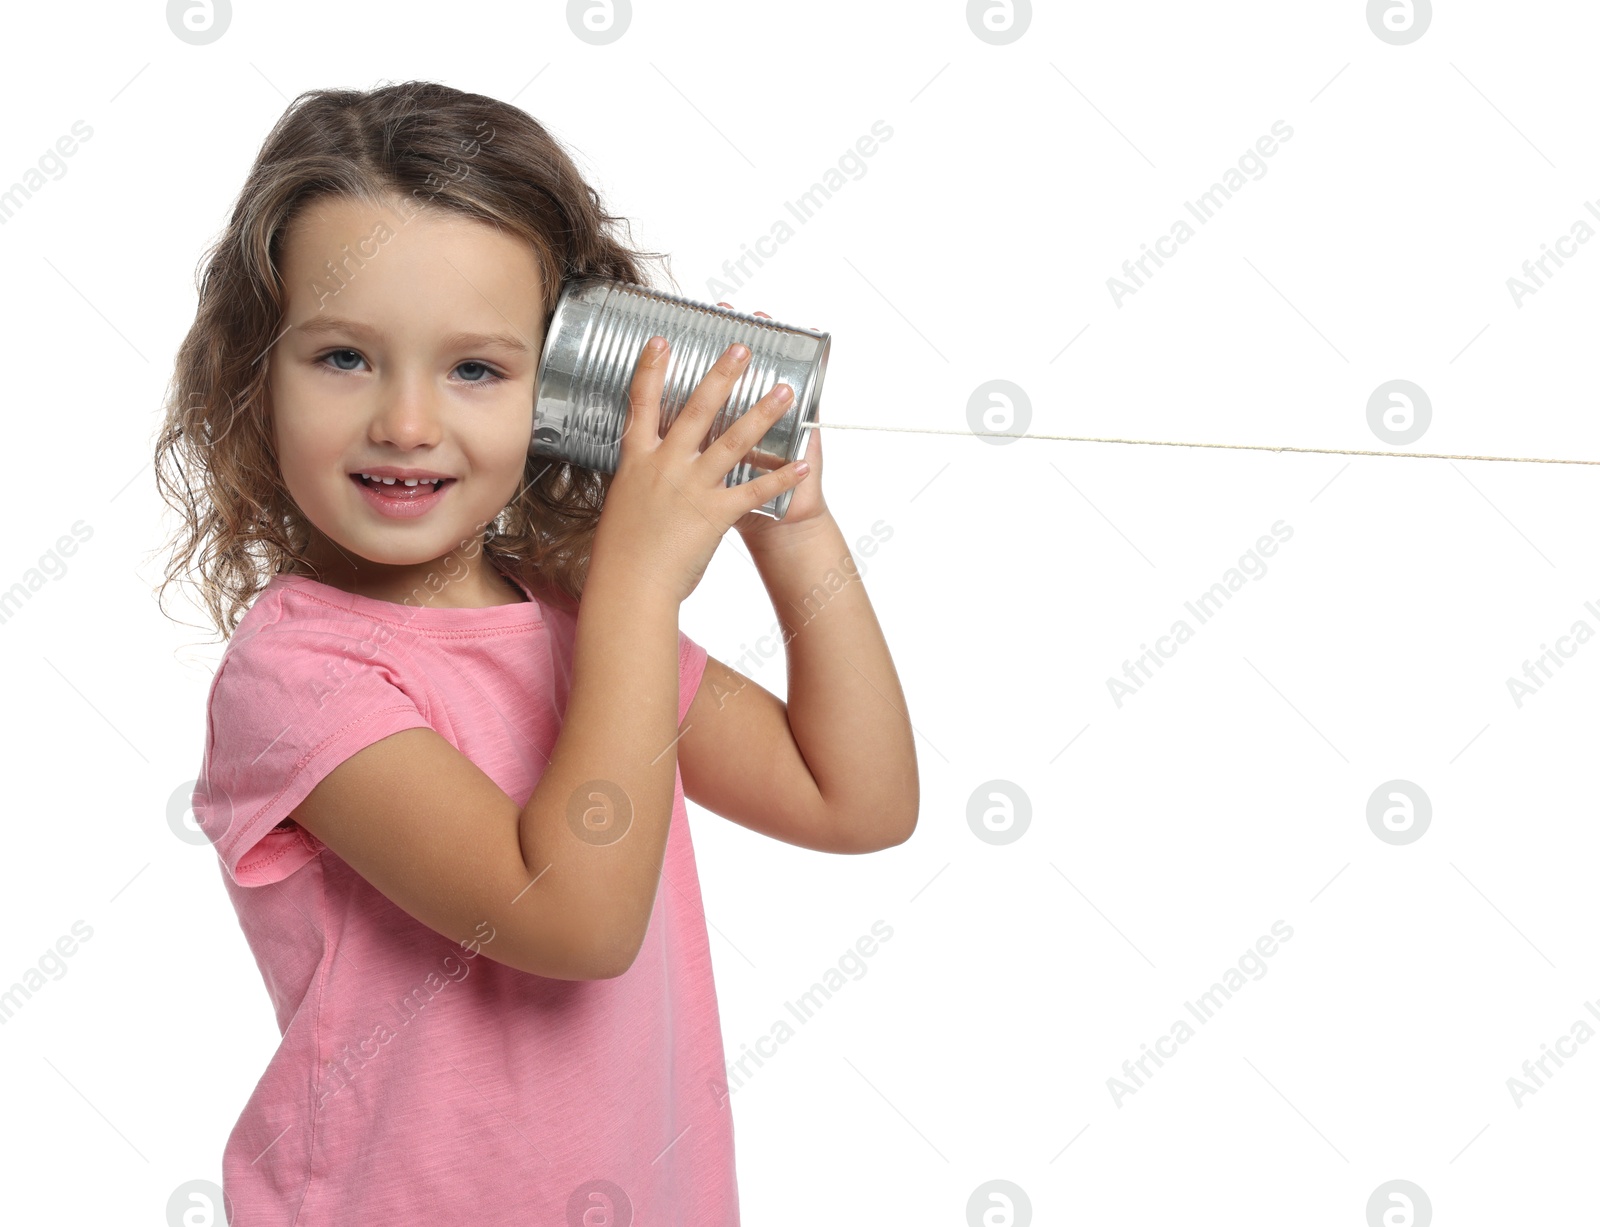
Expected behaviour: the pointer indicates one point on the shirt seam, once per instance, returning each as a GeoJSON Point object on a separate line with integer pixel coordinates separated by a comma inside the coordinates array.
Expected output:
{"type": "Point", "coordinates": [316, 1050]}
{"type": "Point", "coordinates": [411, 625]}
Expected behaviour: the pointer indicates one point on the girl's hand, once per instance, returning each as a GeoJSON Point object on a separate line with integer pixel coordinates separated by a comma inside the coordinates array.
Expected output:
{"type": "Point", "coordinates": [807, 504]}
{"type": "Point", "coordinates": [668, 506]}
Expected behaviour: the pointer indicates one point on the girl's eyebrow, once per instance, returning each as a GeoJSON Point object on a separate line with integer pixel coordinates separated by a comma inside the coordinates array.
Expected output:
{"type": "Point", "coordinates": [318, 324]}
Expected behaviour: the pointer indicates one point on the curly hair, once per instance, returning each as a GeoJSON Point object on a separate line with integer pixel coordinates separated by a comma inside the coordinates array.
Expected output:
{"type": "Point", "coordinates": [215, 457]}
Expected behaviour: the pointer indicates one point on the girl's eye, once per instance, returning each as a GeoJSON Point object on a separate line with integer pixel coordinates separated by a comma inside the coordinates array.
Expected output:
{"type": "Point", "coordinates": [339, 353]}
{"type": "Point", "coordinates": [488, 375]}
{"type": "Point", "coordinates": [478, 372]}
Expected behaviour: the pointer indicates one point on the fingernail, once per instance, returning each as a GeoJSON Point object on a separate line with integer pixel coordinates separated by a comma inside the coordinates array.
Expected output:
{"type": "Point", "coordinates": [739, 352]}
{"type": "Point", "coordinates": [802, 467]}
{"type": "Point", "coordinates": [656, 344]}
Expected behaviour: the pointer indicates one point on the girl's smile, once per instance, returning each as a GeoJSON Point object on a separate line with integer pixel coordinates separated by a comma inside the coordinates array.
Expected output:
{"type": "Point", "coordinates": [399, 496]}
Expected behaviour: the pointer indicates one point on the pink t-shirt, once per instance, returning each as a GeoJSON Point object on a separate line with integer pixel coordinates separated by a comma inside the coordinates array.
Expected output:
{"type": "Point", "coordinates": [417, 1080]}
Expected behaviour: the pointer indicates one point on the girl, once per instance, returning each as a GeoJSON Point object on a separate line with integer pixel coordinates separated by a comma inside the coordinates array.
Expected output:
{"type": "Point", "coordinates": [450, 738]}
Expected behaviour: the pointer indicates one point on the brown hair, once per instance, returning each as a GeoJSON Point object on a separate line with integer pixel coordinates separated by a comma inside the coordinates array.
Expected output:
{"type": "Point", "coordinates": [215, 458]}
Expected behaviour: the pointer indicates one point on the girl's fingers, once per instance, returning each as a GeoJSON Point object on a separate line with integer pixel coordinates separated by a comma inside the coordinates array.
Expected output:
{"type": "Point", "coordinates": [764, 489]}
{"type": "Point", "coordinates": [751, 427]}
{"type": "Point", "coordinates": [693, 423]}
{"type": "Point", "coordinates": [643, 424]}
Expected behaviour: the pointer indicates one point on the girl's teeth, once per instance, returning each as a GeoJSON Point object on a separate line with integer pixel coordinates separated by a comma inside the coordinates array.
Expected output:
{"type": "Point", "coordinates": [409, 481]}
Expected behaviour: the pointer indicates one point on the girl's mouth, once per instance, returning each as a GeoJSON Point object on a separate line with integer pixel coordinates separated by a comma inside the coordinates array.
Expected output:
{"type": "Point", "coordinates": [400, 501]}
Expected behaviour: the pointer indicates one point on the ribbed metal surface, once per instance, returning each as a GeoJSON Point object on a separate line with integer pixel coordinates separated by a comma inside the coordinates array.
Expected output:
{"type": "Point", "coordinates": [593, 345]}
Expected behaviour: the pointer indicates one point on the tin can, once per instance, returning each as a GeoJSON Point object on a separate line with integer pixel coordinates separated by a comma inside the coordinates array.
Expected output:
{"type": "Point", "coordinates": [592, 346]}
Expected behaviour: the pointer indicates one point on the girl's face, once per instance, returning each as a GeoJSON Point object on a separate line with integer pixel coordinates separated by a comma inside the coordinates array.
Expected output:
{"type": "Point", "coordinates": [410, 341]}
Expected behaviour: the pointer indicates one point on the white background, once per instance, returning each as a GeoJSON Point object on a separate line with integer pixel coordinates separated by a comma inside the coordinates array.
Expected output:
{"type": "Point", "coordinates": [1228, 793]}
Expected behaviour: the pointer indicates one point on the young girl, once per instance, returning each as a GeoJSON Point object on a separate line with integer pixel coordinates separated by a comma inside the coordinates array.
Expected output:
{"type": "Point", "coordinates": [450, 738]}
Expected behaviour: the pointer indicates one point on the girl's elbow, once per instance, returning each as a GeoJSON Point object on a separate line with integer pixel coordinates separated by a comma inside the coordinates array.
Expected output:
{"type": "Point", "coordinates": [911, 808]}
{"type": "Point", "coordinates": [906, 829]}
{"type": "Point", "coordinates": [877, 832]}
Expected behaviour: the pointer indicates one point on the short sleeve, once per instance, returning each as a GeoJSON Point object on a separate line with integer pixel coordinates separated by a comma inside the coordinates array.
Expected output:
{"type": "Point", "coordinates": [691, 668]}
{"type": "Point", "coordinates": [287, 706]}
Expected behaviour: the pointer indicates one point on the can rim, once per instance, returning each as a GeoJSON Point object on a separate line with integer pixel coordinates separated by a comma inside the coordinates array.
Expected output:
{"type": "Point", "coordinates": [552, 326]}
{"type": "Point", "coordinates": [811, 397]}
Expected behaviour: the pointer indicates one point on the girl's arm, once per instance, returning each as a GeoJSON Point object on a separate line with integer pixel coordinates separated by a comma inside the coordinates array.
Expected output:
{"type": "Point", "coordinates": [565, 882]}
{"type": "Point", "coordinates": [834, 769]}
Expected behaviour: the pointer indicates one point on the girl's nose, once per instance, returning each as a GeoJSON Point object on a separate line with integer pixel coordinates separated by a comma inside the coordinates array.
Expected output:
{"type": "Point", "coordinates": [409, 414]}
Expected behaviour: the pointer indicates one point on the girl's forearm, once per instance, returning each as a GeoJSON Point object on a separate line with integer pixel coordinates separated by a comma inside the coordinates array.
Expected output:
{"type": "Point", "coordinates": [594, 831]}
{"type": "Point", "coordinates": [846, 709]}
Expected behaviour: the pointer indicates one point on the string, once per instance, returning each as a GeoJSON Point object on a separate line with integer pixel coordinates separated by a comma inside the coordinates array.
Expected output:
{"type": "Point", "coordinates": [1251, 447]}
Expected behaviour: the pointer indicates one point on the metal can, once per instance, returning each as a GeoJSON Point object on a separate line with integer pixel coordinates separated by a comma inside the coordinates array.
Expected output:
{"type": "Point", "coordinates": [592, 346]}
